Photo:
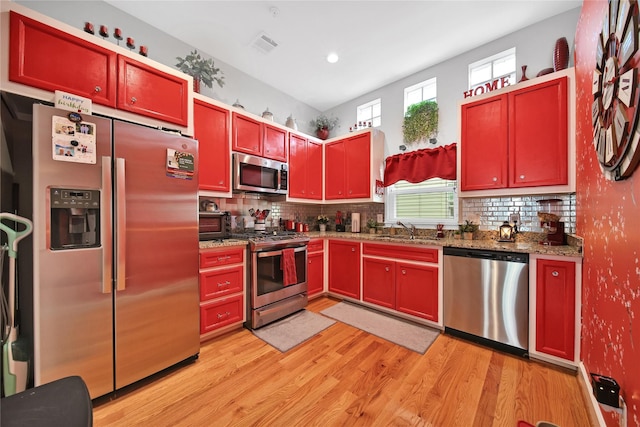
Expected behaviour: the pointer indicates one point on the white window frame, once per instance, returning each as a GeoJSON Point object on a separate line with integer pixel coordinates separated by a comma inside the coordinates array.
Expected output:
{"type": "Point", "coordinates": [370, 107]}
{"type": "Point", "coordinates": [390, 206]}
{"type": "Point", "coordinates": [492, 61]}
{"type": "Point", "coordinates": [427, 87]}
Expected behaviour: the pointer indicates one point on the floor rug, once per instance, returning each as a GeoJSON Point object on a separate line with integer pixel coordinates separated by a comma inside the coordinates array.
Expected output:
{"type": "Point", "coordinates": [293, 330]}
{"type": "Point", "coordinates": [407, 334]}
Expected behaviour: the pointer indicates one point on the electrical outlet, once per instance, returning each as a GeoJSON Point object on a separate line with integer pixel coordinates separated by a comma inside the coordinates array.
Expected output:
{"type": "Point", "coordinates": [514, 218]}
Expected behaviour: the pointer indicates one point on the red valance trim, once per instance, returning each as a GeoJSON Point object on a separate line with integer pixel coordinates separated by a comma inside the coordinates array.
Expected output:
{"type": "Point", "coordinates": [420, 165]}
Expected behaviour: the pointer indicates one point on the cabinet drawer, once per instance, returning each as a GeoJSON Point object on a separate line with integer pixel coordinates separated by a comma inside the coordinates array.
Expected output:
{"type": "Point", "coordinates": [316, 245]}
{"type": "Point", "coordinates": [226, 256]}
{"type": "Point", "coordinates": [220, 313]}
{"type": "Point", "coordinates": [220, 282]}
{"type": "Point", "coordinates": [412, 252]}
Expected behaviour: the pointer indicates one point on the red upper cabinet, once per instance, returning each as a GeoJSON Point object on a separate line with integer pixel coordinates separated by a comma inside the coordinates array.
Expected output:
{"type": "Point", "coordinates": [538, 146]}
{"type": "Point", "coordinates": [47, 58]}
{"type": "Point", "coordinates": [305, 168]}
{"type": "Point", "coordinates": [348, 168]}
{"type": "Point", "coordinates": [150, 92]}
{"type": "Point", "coordinates": [212, 130]}
{"type": "Point", "coordinates": [556, 308]}
{"type": "Point", "coordinates": [251, 136]}
{"type": "Point", "coordinates": [518, 139]}
{"type": "Point", "coordinates": [484, 144]}
{"type": "Point", "coordinates": [274, 145]}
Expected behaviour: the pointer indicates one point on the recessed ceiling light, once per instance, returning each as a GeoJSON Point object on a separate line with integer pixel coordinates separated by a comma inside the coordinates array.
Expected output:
{"type": "Point", "coordinates": [332, 58]}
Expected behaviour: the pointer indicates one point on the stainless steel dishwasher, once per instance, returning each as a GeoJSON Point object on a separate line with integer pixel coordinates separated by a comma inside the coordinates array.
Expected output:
{"type": "Point", "coordinates": [486, 297]}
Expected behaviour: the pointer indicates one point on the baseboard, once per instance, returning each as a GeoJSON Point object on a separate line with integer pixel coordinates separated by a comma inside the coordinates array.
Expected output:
{"type": "Point", "coordinates": [587, 392]}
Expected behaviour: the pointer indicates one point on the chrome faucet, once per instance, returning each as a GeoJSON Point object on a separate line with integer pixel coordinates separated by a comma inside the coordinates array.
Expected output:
{"type": "Point", "coordinates": [411, 230]}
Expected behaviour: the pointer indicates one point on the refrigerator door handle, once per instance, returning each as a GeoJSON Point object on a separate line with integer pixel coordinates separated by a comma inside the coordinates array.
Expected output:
{"type": "Point", "coordinates": [106, 229]}
{"type": "Point", "coordinates": [121, 222]}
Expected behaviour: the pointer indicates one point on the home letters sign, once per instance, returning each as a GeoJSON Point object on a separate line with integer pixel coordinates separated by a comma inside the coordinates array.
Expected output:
{"type": "Point", "coordinates": [487, 87]}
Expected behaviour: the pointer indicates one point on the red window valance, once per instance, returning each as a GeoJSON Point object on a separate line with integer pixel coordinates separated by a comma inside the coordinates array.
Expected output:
{"type": "Point", "coordinates": [420, 165]}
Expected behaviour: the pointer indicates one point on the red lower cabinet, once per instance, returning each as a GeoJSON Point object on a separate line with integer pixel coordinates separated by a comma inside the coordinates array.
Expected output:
{"type": "Point", "coordinates": [408, 287]}
{"type": "Point", "coordinates": [222, 284]}
{"type": "Point", "coordinates": [315, 273]}
{"type": "Point", "coordinates": [417, 290]}
{"type": "Point", "coordinates": [344, 268]}
{"type": "Point", "coordinates": [378, 279]}
{"type": "Point", "coordinates": [555, 308]}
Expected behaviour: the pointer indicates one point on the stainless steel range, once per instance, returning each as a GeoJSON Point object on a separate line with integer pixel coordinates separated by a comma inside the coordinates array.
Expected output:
{"type": "Point", "coordinates": [272, 295]}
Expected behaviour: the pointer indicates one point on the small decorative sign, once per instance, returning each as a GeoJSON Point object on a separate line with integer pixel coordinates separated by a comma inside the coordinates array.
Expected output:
{"type": "Point", "coordinates": [180, 164]}
{"type": "Point", "coordinates": [73, 141]}
{"type": "Point", "coordinates": [70, 102]}
{"type": "Point", "coordinates": [379, 188]}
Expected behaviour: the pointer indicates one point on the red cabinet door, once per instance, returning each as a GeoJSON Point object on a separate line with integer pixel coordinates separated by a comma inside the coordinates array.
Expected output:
{"type": "Point", "coordinates": [344, 268]}
{"type": "Point", "coordinates": [335, 172]}
{"type": "Point", "coordinates": [274, 144]}
{"type": "Point", "coordinates": [378, 282]}
{"type": "Point", "coordinates": [314, 171]}
{"type": "Point", "coordinates": [211, 129]}
{"type": "Point", "coordinates": [315, 273]}
{"type": "Point", "coordinates": [357, 166]}
{"type": "Point", "coordinates": [417, 290]}
{"type": "Point", "coordinates": [47, 58]}
{"type": "Point", "coordinates": [246, 135]}
{"type": "Point", "coordinates": [555, 308]}
{"type": "Point", "coordinates": [483, 144]}
{"type": "Point", "coordinates": [149, 92]}
{"type": "Point", "coordinates": [538, 144]}
{"type": "Point", "coordinates": [297, 166]}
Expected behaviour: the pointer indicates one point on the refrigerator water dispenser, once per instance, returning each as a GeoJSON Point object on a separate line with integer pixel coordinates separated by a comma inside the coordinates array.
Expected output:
{"type": "Point", "coordinates": [75, 218]}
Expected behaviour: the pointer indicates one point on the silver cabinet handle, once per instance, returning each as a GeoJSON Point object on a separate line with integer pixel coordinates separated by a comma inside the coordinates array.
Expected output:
{"type": "Point", "coordinates": [353, 249]}
{"type": "Point", "coordinates": [225, 283]}
{"type": "Point", "coordinates": [521, 176]}
{"type": "Point", "coordinates": [121, 223]}
{"type": "Point", "coordinates": [223, 258]}
{"type": "Point", "coordinates": [133, 99]}
{"type": "Point", "coordinates": [555, 273]}
{"type": "Point", "coordinates": [97, 89]}
{"type": "Point", "coordinates": [404, 271]}
{"type": "Point", "coordinates": [226, 314]}
{"type": "Point", "coordinates": [495, 179]}
{"type": "Point", "coordinates": [386, 269]}
{"type": "Point", "coordinates": [106, 230]}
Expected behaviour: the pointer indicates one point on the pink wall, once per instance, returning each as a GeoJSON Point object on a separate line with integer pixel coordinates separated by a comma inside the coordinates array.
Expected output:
{"type": "Point", "coordinates": [608, 217]}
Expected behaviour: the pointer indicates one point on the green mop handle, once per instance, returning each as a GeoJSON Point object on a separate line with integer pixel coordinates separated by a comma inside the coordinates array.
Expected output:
{"type": "Point", "coordinates": [14, 236]}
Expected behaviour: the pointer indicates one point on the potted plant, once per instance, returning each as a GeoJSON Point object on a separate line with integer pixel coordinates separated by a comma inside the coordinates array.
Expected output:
{"type": "Point", "coordinates": [467, 229]}
{"type": "Point", "coordinates": [323, 220]}
{"type": "Point", "coordinates": [323, 125]}
{"type": "Point", "coordinates": [201, 69]}
{"type": "Point", "coordinates": [372, 224]}
{"type": "Point", "coordinates": [420, 122]}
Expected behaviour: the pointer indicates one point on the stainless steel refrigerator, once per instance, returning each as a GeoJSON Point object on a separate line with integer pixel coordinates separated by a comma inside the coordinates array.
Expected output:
{"type": "Point", "coordinates": [115, 285]}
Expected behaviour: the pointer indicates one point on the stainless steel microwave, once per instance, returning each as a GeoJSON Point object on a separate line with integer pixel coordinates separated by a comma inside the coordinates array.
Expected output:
{"type": "Point", "coordinates": [257, 174]}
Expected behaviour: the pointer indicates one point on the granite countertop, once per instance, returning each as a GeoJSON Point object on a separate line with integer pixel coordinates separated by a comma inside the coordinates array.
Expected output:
{"type": "Point", "coordinates": [530, 247]}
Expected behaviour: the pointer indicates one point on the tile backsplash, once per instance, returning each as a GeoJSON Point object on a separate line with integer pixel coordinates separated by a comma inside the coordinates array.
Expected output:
{"type": "Point", "coordinates": [488, 212]}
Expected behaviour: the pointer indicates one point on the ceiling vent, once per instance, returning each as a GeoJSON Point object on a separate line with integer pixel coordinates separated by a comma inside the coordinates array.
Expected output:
{"type": "Point", "coordinates": [264, 43]}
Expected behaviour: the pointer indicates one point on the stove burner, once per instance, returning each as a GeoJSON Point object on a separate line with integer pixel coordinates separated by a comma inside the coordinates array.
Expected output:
{"type": "Point", "coordinates": [273, 240]}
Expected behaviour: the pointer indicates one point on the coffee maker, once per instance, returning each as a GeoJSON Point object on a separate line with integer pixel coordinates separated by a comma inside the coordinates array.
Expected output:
{"type": "Point", "coordinates": [549, 215]}
{"type": "Point", "coordinates": [75, 218]}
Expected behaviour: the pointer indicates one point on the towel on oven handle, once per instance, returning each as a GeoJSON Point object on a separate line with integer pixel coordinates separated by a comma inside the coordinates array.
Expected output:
{"type": "Point", "coordinates": [288, 267]}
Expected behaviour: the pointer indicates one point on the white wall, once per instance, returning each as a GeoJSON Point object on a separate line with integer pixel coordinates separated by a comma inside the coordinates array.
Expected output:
{"type": "Point", "coordinates": [534, 48]}
{"type": "Point", "coordinates": [253, 94]}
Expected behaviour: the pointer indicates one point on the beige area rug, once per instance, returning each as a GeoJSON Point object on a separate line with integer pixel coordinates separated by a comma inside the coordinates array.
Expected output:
{"type": "Point", "coordinates": [293, 330]}
{"type": "Point", "coordinates": [407, 334]}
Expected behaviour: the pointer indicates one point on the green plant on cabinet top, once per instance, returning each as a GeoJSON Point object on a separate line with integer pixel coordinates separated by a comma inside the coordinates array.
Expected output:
{"type": "Point", "coordinates": [200, 68]}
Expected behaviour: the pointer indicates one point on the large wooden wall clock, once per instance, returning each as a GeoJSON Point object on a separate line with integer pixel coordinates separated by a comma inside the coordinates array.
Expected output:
{"type": "Point", "coordinates": [615, 110]}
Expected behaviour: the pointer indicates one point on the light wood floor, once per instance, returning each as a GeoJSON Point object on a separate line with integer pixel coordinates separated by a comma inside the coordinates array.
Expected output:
{"type": "Point", "coordinates": [346, 377]}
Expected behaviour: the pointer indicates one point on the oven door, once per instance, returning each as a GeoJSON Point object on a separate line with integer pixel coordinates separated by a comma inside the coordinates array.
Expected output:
{"type": "Point", "coordinates": [268, 278]}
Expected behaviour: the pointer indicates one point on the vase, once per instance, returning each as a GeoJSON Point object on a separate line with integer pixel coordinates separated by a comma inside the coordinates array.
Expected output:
{"type": "Point", "coordinates": [322, 133]}
{"type": "Point", "coordinates": [561, 54]}
{"type": "Point", "coordinates": [196, 85]}
{"type": "Point", "coordinates": [372, 231]}
{"type": "Point", "coordinates": [468, 235]}
{"type": "Point", "coordinates": [323, 227]}
{"type": "Point", "coordinates": [524, 74]}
